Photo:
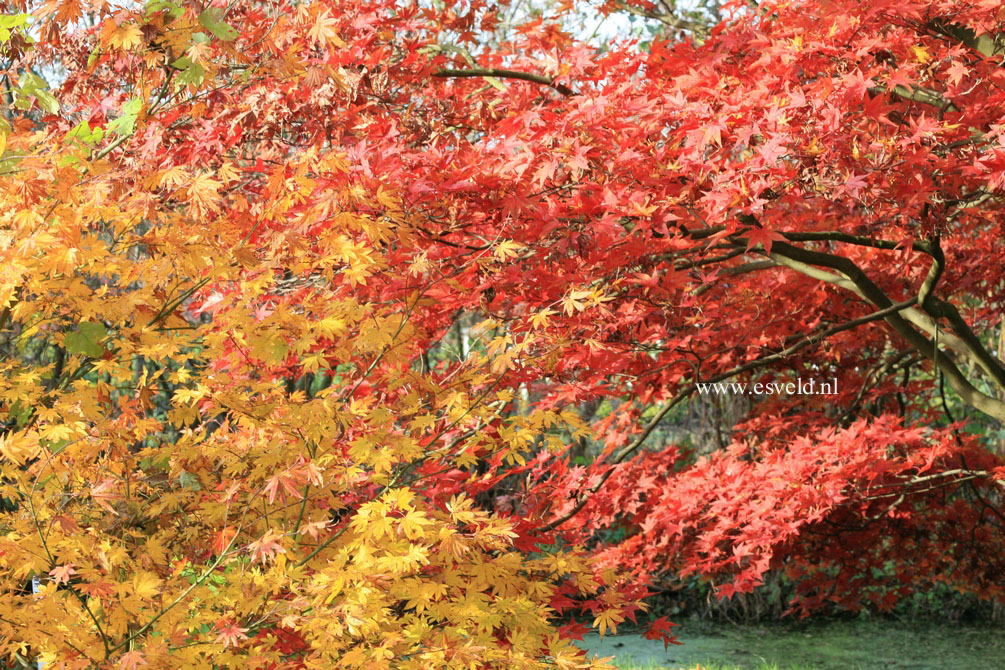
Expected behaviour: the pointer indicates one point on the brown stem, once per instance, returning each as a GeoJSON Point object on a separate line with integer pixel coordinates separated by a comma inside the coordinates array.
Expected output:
{"type": "Point", "coordinates": [506, 74]}
{"type": "Point", "coordinates": [690, 389]}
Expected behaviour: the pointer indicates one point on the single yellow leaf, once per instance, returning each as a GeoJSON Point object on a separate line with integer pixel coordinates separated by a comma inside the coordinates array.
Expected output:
{"type": "Point", "coordinates": [146, 585]}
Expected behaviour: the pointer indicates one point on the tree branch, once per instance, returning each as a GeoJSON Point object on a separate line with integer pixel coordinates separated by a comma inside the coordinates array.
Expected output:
{"type": "Point", "coordinates": [737, 270]}
{"type": "Point", "coordinates": [854, 279]}
{"type": "Point", "coordinates": [986, 45]}
{"type": "Point", "coordinates": [691, 388]}
{"type": "Point", "coordinates": [860, 240]}
{"type": "Point", "coordinates": [506, 74]}
{"type": "Point", "coordinates": [668, 20]}
{"type": "Point", "coordinates": [926, 96]}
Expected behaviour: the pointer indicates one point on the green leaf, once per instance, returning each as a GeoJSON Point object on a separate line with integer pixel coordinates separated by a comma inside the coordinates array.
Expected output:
{"type": "Point", "coordinates": [83, 133]}
{"type": "Point", "coordinates": [212, 20]}
{"type": "Point", "coordinates": [172, 9]}
{"type": "Point", "coordinates": [21, 414]}
{"type": "Point", "coordinates": [125, 124]}
{"type": "Point", "coordinates": [193, 74]}
{"type": "Point", "coordinates": [14, 20]}
{"type": "Point", "coordinates": [189, 481]}
{"type": "Point", "coordinates": [34, 86]}
{"type": "Point", "coordinates": [133, 106]}
{"type": "Point", "coordinates": [10, 23]}
{"type": "Point", "coordinates": [86, 340]}
{"type": "Point", "coordinates": [47, 101]}
{"type": "Point", "coordinates": [55, 446]}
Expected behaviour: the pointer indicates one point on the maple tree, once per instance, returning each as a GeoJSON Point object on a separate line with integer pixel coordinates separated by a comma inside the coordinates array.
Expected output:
{"type": "Point", "coordinates": [237, 237]}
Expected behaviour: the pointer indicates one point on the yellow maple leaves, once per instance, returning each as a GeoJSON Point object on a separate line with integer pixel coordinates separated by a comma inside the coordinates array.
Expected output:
{"type": "Point", "coordinates": [146, 585]}
{"type": "Point", "coordinates": [19, 447]}
{"type": "Point", "coordinates": [125, 36]}
{"type": "Point", "coordinates": [218, 435]}
{"type": "Point", "coordinates": [202, 195]}
{"type": "Point", "coordinates": [324, 30]}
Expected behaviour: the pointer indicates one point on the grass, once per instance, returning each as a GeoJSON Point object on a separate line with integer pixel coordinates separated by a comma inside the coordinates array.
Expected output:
{"type": "Point", "coordinates": [871, 645]}
{"type": "Point", "coordinates": [627, 663]}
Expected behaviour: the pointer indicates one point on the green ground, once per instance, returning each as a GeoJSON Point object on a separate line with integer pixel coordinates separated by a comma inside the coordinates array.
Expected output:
{"type": "Point", "coordinates": [867, 645]}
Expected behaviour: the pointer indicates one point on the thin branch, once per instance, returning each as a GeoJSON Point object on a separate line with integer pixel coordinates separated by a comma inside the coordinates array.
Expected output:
{"type": "Point", "coordinates": [507, 74]}
{"type": "Point", "coordinates": [184, 594]}
{"type": "Point", "coordinates": [690, 389]}
{"type": "Point", "coordinates": [737, 270]}
{"type": "Point", "coordinates": [668, 20]}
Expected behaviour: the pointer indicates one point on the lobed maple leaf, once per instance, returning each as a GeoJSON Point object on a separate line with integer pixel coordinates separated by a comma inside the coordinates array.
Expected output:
{"type": "Point", "coordinates": [762, 236]}
{"type": "Point", "coordinates": [267, 547]}
{"type": "Point", "coordinates": [61, 574]}
{"type": "Point", "coordinates": [661, 629]}
{"type": "Point", "coordinates": [230, 634]}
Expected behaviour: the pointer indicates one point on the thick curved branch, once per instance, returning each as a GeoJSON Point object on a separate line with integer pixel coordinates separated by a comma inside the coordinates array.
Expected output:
{"type": "Point", "coordinates": [920, 94]}
{"type": "Point", "coordinates": [944, 309]}
{"type": "Point", "coordinates": [932, 279]}
{"type": "Point", "coordinates": [860, 240]}
{"type": "Point", "coordinates": [962, 340]}
{"type": "Point", "coordinates": [855, 280]}
{"type": "Point", "coordinates": [986, 45]}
